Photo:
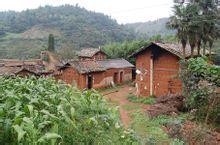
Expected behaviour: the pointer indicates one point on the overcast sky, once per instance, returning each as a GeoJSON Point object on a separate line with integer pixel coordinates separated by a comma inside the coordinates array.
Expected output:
{"type": "Point", "coordinates": [124, 11]}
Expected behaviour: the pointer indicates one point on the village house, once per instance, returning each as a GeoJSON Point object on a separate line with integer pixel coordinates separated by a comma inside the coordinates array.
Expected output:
{"type": "Point", "coordinates": [157, 69]}
{"type": "Point", "coordinates": [21, 67]}
{"type": "Point", "coordinates": [93, 70]}
{"type": "Point", "coordinates": [92, 54]}
{"type": "Point", "coordinates": [45, 66]}
{"type": "Point", "coordinates": [96, 74]}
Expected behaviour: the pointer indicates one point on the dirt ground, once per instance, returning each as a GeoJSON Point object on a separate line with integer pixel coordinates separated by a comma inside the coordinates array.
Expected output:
{"type": "Point", "coordinates": [119, 96]}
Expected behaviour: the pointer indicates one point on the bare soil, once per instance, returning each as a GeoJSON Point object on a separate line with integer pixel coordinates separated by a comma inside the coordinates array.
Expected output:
{"type": "Point", "coordinates": [119, 97]}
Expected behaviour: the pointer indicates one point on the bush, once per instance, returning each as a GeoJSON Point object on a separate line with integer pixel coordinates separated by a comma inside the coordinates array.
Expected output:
{"type": "Point", "coordinates": [41, 111]}
{"type": "Point", "coordinates": [200, 81]}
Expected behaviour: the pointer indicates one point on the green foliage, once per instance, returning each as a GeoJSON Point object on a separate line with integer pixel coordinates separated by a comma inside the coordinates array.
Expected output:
{"type": "Point", "coordinates": [125, 49]}
{"type": "Point", "coordinates": [201, 80]}
{"type": "Point", "coordinates": [129, 107]}
{"type": "Point", "coordinates": [148, 100]}
{"type": "Point", "coordinates": [151, 130]}
{"type": "Point", "coordinates": [70, 25]}
{"type": "Point", "coordinates": [196, 23]}
{"type": "Point", "coordinates": [42, 111]}
{"type": "Point", "coordinates": [51, 43]}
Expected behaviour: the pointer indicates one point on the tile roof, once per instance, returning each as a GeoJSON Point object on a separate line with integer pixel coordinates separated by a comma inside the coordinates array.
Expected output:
{"type": "Point", "coordinates": [87, 66]}
{"type": "Point", "coordinates": [14, 62]}
{"type": "Point", "coordinates": [115, 63]}
{"type": "Point", "coordinates": [89, 52]}
{"type": "Point", "coordinates": [174, 48]}
{"type": "Point", "coordinates": [12, 67]}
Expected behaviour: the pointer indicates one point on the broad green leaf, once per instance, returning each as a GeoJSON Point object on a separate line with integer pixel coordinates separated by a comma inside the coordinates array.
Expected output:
{"type": "Point", "coordinates": [49, 136]}
{"type": "Point", "coordinates": [19, 131]}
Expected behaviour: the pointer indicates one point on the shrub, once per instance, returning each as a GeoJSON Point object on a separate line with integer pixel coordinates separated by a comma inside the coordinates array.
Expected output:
{"type": "Point", "coordinates": [200, 81]}
{"type": "Point", "coordinates": [42, 111]}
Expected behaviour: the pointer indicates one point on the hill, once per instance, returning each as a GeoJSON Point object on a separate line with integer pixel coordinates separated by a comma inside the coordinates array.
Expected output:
{"type": "Point", "coordinates": [151, 28]}
{"type": "Point", "coordinates": [22, 34]}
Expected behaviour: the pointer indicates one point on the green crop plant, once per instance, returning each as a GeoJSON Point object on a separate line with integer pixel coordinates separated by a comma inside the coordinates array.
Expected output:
{"type": "Point", "coordinates": [42, 111]}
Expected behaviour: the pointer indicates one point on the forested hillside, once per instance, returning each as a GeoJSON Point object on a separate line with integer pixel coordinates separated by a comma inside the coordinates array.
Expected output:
{"type": "Point", "coordinates": [151, 28]}
{"type": "Point", "coordinates": [24, 34]}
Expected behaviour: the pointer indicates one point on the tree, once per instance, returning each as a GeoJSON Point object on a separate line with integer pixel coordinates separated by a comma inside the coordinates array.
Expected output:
{"type": "Point", "coordinates": [51, 43]}
{"type": "Point", "coordinates": [195, 22]}
{"type": "Point", "coordinates": [179, 23]}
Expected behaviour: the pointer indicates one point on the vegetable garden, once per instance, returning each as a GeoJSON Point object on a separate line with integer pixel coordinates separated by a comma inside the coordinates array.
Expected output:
{"type": "Point", "coordinates": [43, 111]}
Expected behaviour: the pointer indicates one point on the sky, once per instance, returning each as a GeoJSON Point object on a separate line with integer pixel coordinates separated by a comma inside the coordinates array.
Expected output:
{"type": "Point", "coordinates": [124, 11]}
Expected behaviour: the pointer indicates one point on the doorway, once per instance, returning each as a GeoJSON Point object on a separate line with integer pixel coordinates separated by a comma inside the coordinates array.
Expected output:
{"type": "Point", "coordinates": [115, 78]}
{"type": "Point", "coordinates": [121, 77]}
{"type": "Point", "coordinates": [133, 74]}
{"type": "Point", "coordinates": [90, 82]}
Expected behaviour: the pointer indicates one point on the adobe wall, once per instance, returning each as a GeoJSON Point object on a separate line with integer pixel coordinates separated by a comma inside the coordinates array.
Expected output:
{"type": "Point", "coordinates": [165, 74]}
{"type": "Point", "coordinates": [69, 75]}
{"type": "Point", "coordinates": [100, 79]}
{"type": "Point", "coordinates": [143, 77]}
{"type": "Point", "coordinates": [97, 56]}
{"type": "Point", "coordinates": [105, 79]}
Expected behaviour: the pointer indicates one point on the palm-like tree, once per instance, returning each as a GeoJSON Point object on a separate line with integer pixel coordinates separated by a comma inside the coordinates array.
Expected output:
{"type": "Point", "coordinates": [179, 23]}
{"type": "Point", "coordinates": [196, 23]}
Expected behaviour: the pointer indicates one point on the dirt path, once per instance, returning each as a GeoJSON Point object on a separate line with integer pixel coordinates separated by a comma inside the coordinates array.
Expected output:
{"type": "Point", "coordinates": [119, 96]}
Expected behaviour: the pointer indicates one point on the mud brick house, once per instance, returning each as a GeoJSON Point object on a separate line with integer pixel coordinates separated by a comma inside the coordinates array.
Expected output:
{"type": "Point", "coordinates": [96, 73]}
{"type": "Point", "coordinates": [22, 68]}
{"type": "Point", "coordinates": [45, 66]}
{"type": "Point", "coordinates": [92, 54]}
{"type": "Point", "coordinates": [157, 69]}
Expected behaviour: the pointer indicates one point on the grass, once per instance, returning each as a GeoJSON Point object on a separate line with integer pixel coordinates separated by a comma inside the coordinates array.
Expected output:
{"type": "Point", "coordinates": [151, 130]}
{"type": "Point", "coordinates": [109, 89]}
{"type": "Point", "coordinates": [149, 100]}
{"type": "Point", "coordinates": [129, 107]}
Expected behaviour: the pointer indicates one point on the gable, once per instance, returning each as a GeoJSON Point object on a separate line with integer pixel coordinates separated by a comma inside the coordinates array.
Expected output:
{"type": "Point", "coordinates": [90, 52]}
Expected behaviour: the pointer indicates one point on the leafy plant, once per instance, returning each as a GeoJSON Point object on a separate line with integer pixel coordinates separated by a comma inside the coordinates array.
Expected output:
{"type": "Point", "coordinates": [43, 111]}
{"type": "Point", "coordinates": [201, 80]}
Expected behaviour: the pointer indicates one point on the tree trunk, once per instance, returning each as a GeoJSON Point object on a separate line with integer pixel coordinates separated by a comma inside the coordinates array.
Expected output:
{"type": "Point", "coordinates": [184, 52]}
{"type": "Point", "coordinates": [204, 49]}
{"type": "Point", "coordinates": [210, 49]}
{"type": "Point", "coordinates": [183, 41]}
{"type": "Point", "coordinates": [192, 51]}
{"type": "Point", "coordinates": [198, 47]}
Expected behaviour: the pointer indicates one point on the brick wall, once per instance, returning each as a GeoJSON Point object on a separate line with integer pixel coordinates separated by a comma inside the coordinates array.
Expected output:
{"type": "Point", "coordinates": [143, 79]}
{"type": "Point", "coordinates": [165, 73]}
{"type": "Point", "coordinates": [69, 75]}
{"type": "Point", "coordinates": [100, 79]}
{"type": "Point", "coordinates": [166, 69]}
{"type": "Point", "coordinates": [97, 56]}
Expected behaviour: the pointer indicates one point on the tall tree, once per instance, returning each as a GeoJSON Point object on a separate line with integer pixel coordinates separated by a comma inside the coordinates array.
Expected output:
{"type": "Point", "coordinates": [51, 43]}
{"type": "Point", "coordinates": [196, 21]}
{"type": "Point", "coordinates": [179, 22]}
